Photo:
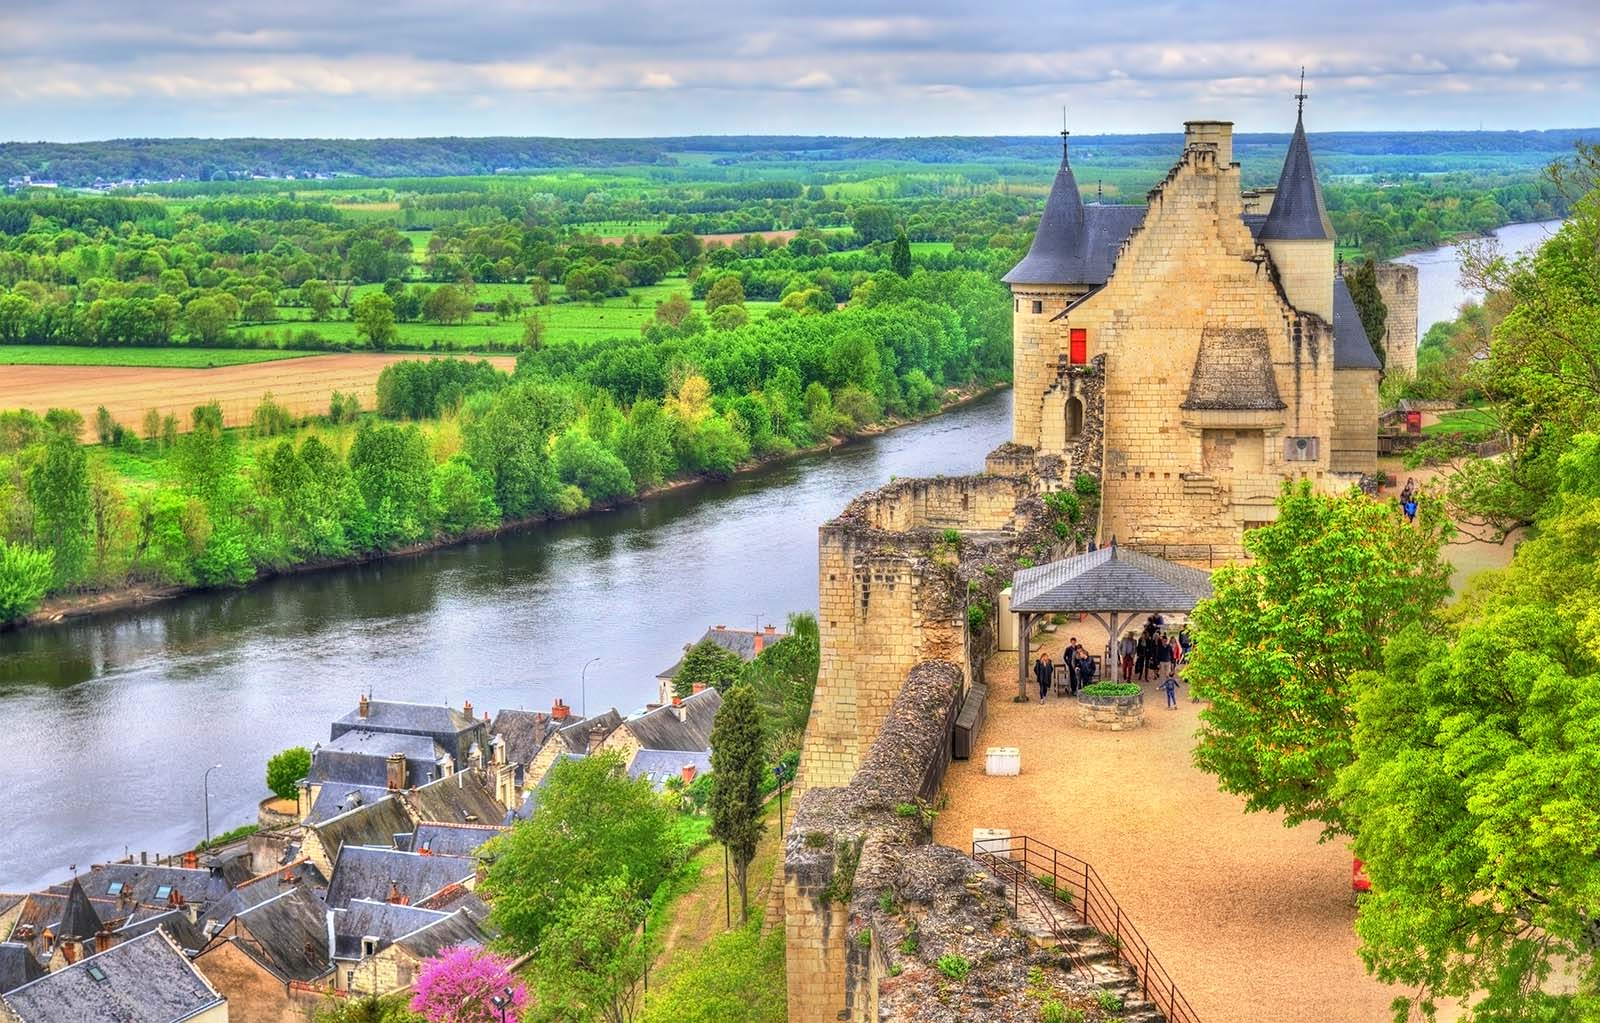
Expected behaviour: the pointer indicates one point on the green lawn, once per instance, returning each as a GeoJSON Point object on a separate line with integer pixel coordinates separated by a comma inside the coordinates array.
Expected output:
{"type": "Point", "coordinates": [161, 358]}
{"type": "Point", "coordinates": [928, 248]}
{"type": "Point", "coordinates": [1472, 422]}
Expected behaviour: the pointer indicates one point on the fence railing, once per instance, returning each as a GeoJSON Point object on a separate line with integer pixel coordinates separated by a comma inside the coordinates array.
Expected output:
{"type": "Point", "coordinates": [1058, 883]}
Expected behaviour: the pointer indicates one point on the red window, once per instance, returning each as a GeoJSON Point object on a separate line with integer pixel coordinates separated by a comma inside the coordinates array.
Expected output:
{"type": "Point", "coordinates": [1080, 346]}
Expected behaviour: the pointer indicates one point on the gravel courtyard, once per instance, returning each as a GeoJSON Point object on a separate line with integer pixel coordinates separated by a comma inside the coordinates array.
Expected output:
{"type": "Point", "coordinates": [1253, 920]}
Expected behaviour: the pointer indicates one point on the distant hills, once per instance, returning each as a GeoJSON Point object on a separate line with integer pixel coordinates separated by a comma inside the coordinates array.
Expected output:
{"type": "Point", "coordinates": [85, 163]}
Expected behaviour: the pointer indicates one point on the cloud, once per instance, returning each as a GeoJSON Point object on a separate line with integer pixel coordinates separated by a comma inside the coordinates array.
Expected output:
{"type": "Point", "coordinates": [95, 68]}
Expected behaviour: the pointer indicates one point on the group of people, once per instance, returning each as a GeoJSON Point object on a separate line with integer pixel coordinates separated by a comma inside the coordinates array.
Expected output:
{"type": "Point", "coordinates": [1408, 499]}
{"type": "Point", "coordinates": [1079, 668]}
{"type": "Point", "coordinates": [1154, 655]}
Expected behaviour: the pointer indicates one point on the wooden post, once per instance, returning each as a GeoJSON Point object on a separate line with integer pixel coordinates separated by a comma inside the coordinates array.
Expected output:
{"type": "Point", "coordinates": [1024, 627]}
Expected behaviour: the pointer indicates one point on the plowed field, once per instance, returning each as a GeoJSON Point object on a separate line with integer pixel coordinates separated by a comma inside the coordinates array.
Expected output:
{"type": "Point", "coordinates": [301, 385]}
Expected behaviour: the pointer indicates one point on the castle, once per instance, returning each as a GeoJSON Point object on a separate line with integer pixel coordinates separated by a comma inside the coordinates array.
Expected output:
{"type": "Point", "coordinates": [1198, 351]}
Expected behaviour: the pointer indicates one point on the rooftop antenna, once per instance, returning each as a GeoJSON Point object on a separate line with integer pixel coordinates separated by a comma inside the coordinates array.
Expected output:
{"type": "Point", "coordinates": [1300, 97]}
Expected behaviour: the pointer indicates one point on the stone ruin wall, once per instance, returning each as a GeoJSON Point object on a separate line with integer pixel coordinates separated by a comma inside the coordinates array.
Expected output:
{"type": "Point", "coordinates": [1397, 283]}
{"type": "Point", "coordinates": [895, 591]}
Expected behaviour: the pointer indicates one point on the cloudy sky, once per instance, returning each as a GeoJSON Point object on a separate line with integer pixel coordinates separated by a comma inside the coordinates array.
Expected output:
{"type": "Point", "coordinates": [89, 69]}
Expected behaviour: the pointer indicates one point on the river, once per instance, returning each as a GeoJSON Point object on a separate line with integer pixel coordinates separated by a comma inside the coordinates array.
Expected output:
{"type": "Point", "coordinates": [1439, 290]}
{"type": "Point", "coordinates": [110, 721]}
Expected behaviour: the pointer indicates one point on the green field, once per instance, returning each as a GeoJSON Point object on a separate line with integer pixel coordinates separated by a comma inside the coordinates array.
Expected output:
{"type": "Point", "coordinates": [564, 321]}
{"type": "Point", "coordinates": [1470, 422]}
{"type": "Point", "coordinates": [620, 228]}
{"type": "Point", "coordinates": [160, 358]}
{"type": "Point", "coordinates": [929, 248]}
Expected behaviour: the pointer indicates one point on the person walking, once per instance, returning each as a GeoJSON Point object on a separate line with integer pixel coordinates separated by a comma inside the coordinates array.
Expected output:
{"type": "Point", "coordinates": [1085, 671]}
{"type": "Point", "coordinates": [1126, 650]}
{"type": "Point", "coordinates": [1185, 641]}
{"type": "Point", "coordinates": [1163, 656]}
{"type": "Point", "coordinates": [1170, 687]}
{"type": "Point", "coordinates": [1042, 672]}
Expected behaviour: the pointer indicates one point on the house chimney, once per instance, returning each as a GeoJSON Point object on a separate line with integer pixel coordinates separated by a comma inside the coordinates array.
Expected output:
{"type": "Point", "coordinates": [721, 628]}
{"type": "Point", "coordinates": [760, 642]}
{"type": "Point", "coordinates": [363, 707]}
{"type": "Point", "coordinates": [191, 860]}
{"type": "Point", "coordinates": [175, 899]}
{"type": "Point", "coordinates": [426, 850]}
{"type": "Point", "coordinates": [466, 709]}
{"type": "Point", "coordinates": [102, 940]}
{"type": "Point", "coordinates": [698, 687]}
{"type": "Point", "coordinates": [395, 771]}
{"type": "Point", "coordinates": [69, 951]}
{"type": "Point", "coordinates": [597, 735]}
{"type": "Point", "coordinates": [678, 710]}
{"type": "Point", "coordinates": [559, 711]}
{"type": "Point", "coordinates": [688, 772]}
{"type": "Point", "coordinates": [395, 898]}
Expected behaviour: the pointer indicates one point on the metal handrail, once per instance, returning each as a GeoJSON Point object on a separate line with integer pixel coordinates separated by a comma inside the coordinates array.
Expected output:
{"type": "Point", "coordinates": [1020, 882]}
{"type": "Point", "coordinates": [1094, 904]}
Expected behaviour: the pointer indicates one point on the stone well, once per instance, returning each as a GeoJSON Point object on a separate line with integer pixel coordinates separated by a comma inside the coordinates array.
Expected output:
{"type": "Point", "coordinates": [1111, 713]}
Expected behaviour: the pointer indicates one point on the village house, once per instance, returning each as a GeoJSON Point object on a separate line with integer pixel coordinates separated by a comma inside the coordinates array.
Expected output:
{"type": "Point", "coordinates": [271, 960]}
{"type": "Point", "coordinates": [747, 643]}
{"type": "Point", "coordinates": [683, 726]}
{"type": "Point", "coordinates": [387, 874]}
{"type": "Point", "coordinates": [455, 732]}
{"type": "Point", "coordinates": [145, 980]}
{"type": "Point", "coordinates": [573, 737]}
{"type": "Point", "coordinates": [380, 946]}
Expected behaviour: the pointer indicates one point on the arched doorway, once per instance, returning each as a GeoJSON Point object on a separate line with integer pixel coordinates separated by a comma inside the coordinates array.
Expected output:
{"type": "Point", "coordinates": [1074, 418]}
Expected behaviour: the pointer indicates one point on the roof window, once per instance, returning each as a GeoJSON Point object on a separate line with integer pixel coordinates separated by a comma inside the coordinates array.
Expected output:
{"type": "Point", "coordinates": [95, 972]}
{"type": "Point", "coordinates": [114, 888]}
{"type": "Point", "coordinates": [163, 892]}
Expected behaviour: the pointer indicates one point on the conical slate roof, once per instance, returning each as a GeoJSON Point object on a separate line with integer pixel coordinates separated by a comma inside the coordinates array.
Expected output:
{"type": "Point", "coordinates": [79, 921]}
{"type": "Point", "coordinates": [1059, 240]}
{"type": "Point", "coordinates": [1297, 211]}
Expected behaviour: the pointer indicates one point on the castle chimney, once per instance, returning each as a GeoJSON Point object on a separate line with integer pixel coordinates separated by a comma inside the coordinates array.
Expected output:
{"type": "Point", "coordinates": [1213, 133]}
{"type": "Point", "coordinates": [364, 706]}
{"type": "Point", "coordinates": [688, 772]}
{"type": "Point", "coordinates": [466, 709]}
{"type": "Point", "coordinates": [559, 711]}
{"type": "Point", "coordinates": [721, 628]}
{"type": "Point", "coordinates": [395, 771]}
{"type": "Point", "coordinates": [698, 687]}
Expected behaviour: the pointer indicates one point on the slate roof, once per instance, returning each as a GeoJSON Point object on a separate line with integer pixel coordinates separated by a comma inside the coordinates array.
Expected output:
{"type": "Point", "coordinates": [17, 966]}
{"type": "Point", "coordinates": [738, 641]}
{"type": "Point", "coordinates": [43, 910]}
{"type": "Point", "coordinates": [303, 873]}
{"type": "Point", "coordinates": [143, 883]}
{"type": "Point", "coordinates": [458, 929]}
{"type": "Point", "coordinates": [1075, 244]}
{"type": "Point", "coordinates": [365, 872]}
{"type": "Point", "coordinates": [415, 718]}
{"type": "Point", "coordinates": [1109, 579]}
{"type": "Point", "coordinates": [78, 920]}
{"type": "Point", "coordinates": [146, 980]}
{"type": "Point", "coordinates": [175, 922]}
{"type": "Point", "coordinates": [335, 798]}
{"type": "Point", "coordinates": [456, 897]}
{"type": "Point", "coordinates": [462, 798]}
{"type": "Point", "coordinates": [1351, 350]}
{"type": "Point", "coordinates": [1233, 370]}
{"type": "Point", "coordinates": [1297, 210]}
{"type": "Point", "coordinates": [370, 918]}
{"type": "Point", "coordinates": [524, 732]}
{"type": "Point", "coordinates": [373, 824]}
{"type": "Point", "coordinates": [575, 734]}
{"type": "Point", "coordinates": [452, 839]}
{"type": "Point", "coordinates": [657, 765]}
{"type": "Point", "coordinates": [360, 757]}
{"type": "Point", "coordinates": [287, 935]}
{"type": "Point", "coordinates": [661, 729]}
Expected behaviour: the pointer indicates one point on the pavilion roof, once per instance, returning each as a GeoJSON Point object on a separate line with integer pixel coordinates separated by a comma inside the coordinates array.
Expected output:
{"type": "Point", "coordinates": [1109, 579]}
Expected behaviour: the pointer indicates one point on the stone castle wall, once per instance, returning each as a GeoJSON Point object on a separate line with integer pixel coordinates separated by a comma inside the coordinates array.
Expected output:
{"type": "Point", "coordinates": [1397, 283]}
{"type": "Point", "coordinates": [894, 591]}
{"type": "Point", "coordinates": [1355, 442]}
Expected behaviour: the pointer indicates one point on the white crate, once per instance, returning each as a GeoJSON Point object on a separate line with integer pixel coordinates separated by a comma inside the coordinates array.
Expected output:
{"type": "Point", "coordinates": [1003, 761]}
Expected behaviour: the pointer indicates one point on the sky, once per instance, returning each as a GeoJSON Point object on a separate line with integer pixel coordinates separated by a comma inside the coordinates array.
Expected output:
{"type": "Point", "coordinates": [73, 70]}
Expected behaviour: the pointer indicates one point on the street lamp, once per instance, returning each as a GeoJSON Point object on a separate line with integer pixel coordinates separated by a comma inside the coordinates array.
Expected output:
{"type": "Point", "coordinates": [780, 771]}
{"type": "Point", "coordinates": [207, 785]}
{"type": "Point", "coordinates": [503, 1002]}
{"type": "Point", "coordinates": [583, 685]}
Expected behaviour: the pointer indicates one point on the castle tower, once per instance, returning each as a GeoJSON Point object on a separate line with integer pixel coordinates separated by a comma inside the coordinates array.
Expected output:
{"type": "Point", "coordinates": [1041, 286]}
{"type": "Point", "coordinates": [1297, 232]}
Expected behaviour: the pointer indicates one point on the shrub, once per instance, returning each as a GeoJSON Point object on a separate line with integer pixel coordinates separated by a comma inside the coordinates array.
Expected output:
{"type": "Point", "coordinates": [1086, 485]}
{"type": "Point", "coordinates": [955, 966]}
{"type": "Point", "coordinates": [1109, 1001]}
{"type": "Point", "coordinates": [1110, 689]}
{"type": "Point", "coordinates": [285, 770]}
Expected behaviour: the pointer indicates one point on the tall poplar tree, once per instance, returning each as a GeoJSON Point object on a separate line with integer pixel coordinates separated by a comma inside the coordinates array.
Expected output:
{"type": "Point", "coordinates": [738, 746]}
{"type": "Point", "coordinates": [900, 255]}
{"type": "Point", "coordinates": [58, 486]}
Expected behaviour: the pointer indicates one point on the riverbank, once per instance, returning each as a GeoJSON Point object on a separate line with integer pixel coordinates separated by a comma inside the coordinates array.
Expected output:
{"type": "Point", "coordinates": [57, 610]}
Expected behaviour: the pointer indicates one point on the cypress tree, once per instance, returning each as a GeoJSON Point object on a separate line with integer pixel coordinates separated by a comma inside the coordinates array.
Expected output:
{"type": "Point", "coordinates": [737, 766]}
{"type": "Point", "coordinates": [1363, 285]}
{"type": "Point", "coordinates": [900, 255]}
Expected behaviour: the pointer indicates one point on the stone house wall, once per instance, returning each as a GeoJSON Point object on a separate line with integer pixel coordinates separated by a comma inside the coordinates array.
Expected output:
{"type": "Point", "coordinates": [1355, 442]}
{"type": "Point", "coordinates": [253, 994]}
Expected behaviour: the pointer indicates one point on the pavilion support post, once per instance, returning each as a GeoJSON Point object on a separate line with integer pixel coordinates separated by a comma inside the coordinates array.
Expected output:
{"type": "Point", "coordinates": [1113, 640]}
{"type": "Point", "coordinates": [1024, 631]}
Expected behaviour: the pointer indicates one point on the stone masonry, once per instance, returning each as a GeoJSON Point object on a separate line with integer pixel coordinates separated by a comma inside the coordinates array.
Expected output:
{"type": "Point", "coordinates": [1397, 283]}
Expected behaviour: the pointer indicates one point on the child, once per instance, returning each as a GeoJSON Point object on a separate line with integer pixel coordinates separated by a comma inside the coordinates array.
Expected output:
{"type": "Point", "coordinates": [1170, 684]}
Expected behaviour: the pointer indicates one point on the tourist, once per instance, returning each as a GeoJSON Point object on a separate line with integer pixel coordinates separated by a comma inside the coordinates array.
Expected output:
{"type": "Point", "coordinates": [1085, 670]}
{"type": "Point", "coordinates": [1170, 686]}
{"type": "Point", "coordinates": [1185, 641]}
{"type": "Point", "coordinates": [1042, 671]}
{"type": "Point", "coordinates": [1163, 656]}
{"type": "Point", "coordinates": [1177, 655]}
{"type": "Point", "coordinates": [1127, 650]}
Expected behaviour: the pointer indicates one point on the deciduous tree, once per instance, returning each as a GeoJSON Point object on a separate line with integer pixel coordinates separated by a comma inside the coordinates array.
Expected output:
{"type": "Point", "coordinates": [285, 769]}
{"type": "Point", "coordinates": [459, 985]}
{"type": "Point", "coordinates": [593, 954]}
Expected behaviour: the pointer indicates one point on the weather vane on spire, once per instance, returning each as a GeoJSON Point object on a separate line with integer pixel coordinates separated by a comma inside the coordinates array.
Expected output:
{"type": "Point", "coordinates": [1300, 97]}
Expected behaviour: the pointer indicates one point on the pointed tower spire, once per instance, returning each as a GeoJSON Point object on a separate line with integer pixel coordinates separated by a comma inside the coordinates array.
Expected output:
{"type": "Point", "coordinates": [1297, 210]}
{"type": "Point", "coordinates": [1059, 242]}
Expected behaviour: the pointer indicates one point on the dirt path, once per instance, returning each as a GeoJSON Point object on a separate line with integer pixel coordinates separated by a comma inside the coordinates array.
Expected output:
{"type": "Point", "coordinates": [128, 392]}
{"type": "Point", "coordinates": [700, 913]}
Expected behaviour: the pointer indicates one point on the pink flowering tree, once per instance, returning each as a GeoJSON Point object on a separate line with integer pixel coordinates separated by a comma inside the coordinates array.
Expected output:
{"type": "Point", "coordinates": [458, 986]}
